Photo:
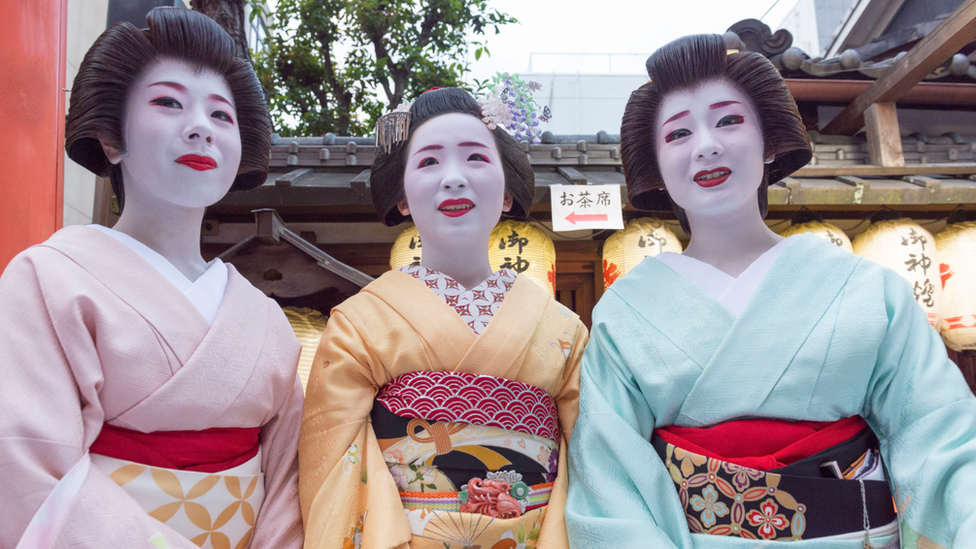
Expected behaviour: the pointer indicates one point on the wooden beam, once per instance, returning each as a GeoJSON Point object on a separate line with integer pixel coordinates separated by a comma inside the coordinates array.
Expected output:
{"type": "Point", "coordinates": [890, 171]}
{"type": "Point", "coordinates": [949, 37]}
{"type": "Point", "coordinates": [884, 138]}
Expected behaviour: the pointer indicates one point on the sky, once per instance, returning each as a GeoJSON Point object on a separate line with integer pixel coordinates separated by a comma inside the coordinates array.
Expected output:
{"type": "Point", "coordinates": [629, 29]}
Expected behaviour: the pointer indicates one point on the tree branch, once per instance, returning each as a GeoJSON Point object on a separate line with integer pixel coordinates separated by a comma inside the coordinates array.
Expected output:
{"type": "Point", "coordinates": [229, 14]}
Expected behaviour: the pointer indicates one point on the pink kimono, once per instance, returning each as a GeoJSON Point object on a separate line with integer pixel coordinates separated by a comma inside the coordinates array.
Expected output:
{"type": "Point", "coordinates": [90, 333]}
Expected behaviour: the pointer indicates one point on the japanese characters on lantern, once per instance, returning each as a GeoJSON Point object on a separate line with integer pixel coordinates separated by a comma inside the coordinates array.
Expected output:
{"type": "Point", "coordinates": [957, 272]}
{"type": "Point", "coordinates": [826, 231]}
{"type": "Point", "coordinates": [525, 249]}
{"type": "Point", "coordinates": [406, 249]}
{"type": "Point", "coordinates": [642, 237]}
{"type": "Point", "coordinates": [910, 250]}
{"type": "Point", "coordinates": [514, 245]}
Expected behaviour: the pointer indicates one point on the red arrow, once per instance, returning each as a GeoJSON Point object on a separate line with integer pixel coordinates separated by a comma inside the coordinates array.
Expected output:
{"type": "Point", "coordinates": [573, 217]}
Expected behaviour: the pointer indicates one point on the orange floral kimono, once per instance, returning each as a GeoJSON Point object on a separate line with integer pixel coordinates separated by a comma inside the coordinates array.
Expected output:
{"type": "Point", "coordinates": [351, 493]}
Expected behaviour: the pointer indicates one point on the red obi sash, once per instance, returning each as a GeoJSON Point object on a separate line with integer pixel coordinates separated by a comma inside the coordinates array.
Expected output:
{"type": "Point", "coordinates": [472, 398]}
{"type": "Point", "coordinates": [763, 444]}
{"type": "Point", "coordinates": [207, 451]}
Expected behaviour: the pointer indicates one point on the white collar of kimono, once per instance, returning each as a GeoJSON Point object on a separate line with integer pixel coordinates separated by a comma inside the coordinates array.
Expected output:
{"type": "Point", "coordinates": [731, 292]}
{"type": "Point", "coordinates": [205, 293]}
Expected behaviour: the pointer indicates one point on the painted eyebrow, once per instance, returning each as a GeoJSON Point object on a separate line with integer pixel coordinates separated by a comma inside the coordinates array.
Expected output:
{"type": "Point", "coordinates": [181, 88]}
{"type": "Point", "coordinates": [675, 117]}
{"type": "Point", "coordinates": [433, 147]}
{"type": "Point", "coordinates": [472, 144]}
{"type": "Point", "coordinates": [175, 85]}
{"type": "Point", "coordinates": [723, 104]}
{"type": "Point", "coordinates": [220, 98]}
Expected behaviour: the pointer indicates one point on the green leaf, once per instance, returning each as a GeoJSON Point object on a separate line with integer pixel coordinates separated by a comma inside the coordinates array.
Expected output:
{"type": "Point", "coordinates": [520, 536]}
{"type": "Point", "coordinates": [534, 534]}
{"type": "Point", "coordinates": [362, 476]}
{"type": "Point", "coordinates": [390, 49]}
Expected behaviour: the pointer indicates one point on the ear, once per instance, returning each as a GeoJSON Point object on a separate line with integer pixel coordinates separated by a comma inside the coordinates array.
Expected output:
{"type": "Point", "coordinates": [113, 154]}
{"type": "Point", "coordinates": [402, 206]}
{"type": "Point", "coordinates": [508, 202]}
{"type": "Point", "coordinates": [769, 159]}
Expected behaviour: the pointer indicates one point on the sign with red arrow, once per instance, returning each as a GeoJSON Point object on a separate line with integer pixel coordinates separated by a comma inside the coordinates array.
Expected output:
{"type": "Point", "coordinates": [573, 217]}
{"type": "Point", "coordinates": [577, 207]}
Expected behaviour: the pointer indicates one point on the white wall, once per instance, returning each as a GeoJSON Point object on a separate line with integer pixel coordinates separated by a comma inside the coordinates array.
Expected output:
{"type": "Point", "coordinates": [584, 103]}
{"type": "Point", "coordinates": [802, 24]}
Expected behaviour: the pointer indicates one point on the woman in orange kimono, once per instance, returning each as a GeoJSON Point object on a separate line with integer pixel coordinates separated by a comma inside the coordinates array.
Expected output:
{"type": "Point", "coordinates": [442, 396]}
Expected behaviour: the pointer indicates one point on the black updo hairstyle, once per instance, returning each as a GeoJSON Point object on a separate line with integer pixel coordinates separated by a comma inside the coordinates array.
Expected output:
{"type": "Point", "coordinates": [685, 64]}
{"type": "Point", "coordinates": [386, 175]}
{"type": "Point", "coordinates": [121, 55]}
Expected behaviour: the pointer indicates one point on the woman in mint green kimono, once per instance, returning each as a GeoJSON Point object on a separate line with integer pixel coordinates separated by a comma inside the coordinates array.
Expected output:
{"type": "Point", "coordinates": [757, 389]}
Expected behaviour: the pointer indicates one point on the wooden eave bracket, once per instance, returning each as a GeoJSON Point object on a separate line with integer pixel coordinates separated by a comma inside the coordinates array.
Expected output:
{"type": "Point", "coordinates": [270, 229]}
{"type": "Point", "coordinates": [293, 177]}
{"type": "Point", "coordinates": [930, 183]}
{"type": "Point", "coordinates": [949, 37]}
{"type": "Point", "coordinates": [572, 175]}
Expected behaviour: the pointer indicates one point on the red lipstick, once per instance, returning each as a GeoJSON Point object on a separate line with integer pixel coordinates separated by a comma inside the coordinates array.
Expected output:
{"type": "Point", "coordinates": [197, 162]}
{"type": "Point", "coordinates": [712, 178]}
{"type": "Point", "coordinates": [456, 207]}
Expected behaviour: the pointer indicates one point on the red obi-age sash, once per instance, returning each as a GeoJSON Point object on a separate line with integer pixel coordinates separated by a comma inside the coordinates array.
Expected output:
{"type": "Point", "coordinates": [207, 451]}
{"type": "Point", "coordinates": [763, 444]}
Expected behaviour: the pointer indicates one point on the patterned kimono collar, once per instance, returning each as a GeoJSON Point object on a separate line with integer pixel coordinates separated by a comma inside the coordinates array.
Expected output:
{"type": "Point", "coordinates": [477, 305]}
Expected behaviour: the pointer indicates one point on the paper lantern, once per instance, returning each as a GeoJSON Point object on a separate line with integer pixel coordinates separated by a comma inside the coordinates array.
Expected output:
{"type": "Point", "coordinates": [642, 237]}
{"type": "Point", "coordinates": [525, 249]}
{"type": "Point", "coordinates": [957, 267]}
{"type": "Point", "coordinates": [406, 249]}
{"type": "Point", "coordinates": [826, 231]}
{"type": "Point", "coordinates": [308, 325]}
{"type": "Point", "coordinates": [903, 245]}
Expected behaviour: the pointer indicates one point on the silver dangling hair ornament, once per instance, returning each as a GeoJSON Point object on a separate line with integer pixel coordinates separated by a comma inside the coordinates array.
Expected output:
{"type": "Point", "coordinates": [393, 127]}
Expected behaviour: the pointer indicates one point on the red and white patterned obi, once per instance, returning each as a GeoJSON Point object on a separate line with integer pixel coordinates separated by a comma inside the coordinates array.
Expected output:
{"type": "Point", "coordinates": [450, 435]}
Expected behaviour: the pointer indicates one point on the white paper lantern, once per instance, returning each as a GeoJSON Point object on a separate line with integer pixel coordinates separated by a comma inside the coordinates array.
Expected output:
{"type": "Point", "coordinates": [957, 267]}
{"type": "Point", "coordinates": [826, 231]}
{"type": "Point", "coordinates": [308, 325]}
{"type": "Point", "coordinates": [642, 237]}
{"type": "Point", "coordinates": [406, 249]}
{"type": "Point", "coordinates": [525, 249]}
{"type": "Point", "coordinates": [910, 250]}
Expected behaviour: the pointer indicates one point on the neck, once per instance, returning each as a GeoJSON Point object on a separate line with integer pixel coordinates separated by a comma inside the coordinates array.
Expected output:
{"type": "Point", "coordinates": [465, 262]}
{"type": "Point", "coordinates": [173, 233]}
{"type": "Point", "coordinates": [730, 243]}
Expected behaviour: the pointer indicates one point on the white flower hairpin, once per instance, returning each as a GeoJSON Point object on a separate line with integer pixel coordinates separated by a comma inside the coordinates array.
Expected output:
{"type": "Point", "coordinates": [509, 104]}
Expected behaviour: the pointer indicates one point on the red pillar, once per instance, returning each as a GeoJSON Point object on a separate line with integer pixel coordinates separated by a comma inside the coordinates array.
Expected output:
{"type": "Point", "coordinates": [32, 111]}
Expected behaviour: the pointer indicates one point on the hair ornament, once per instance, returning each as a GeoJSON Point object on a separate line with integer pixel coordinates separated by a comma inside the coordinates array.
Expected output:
{"type": "Point", "coordinates": [393, 127]}
{"type": "Point", "coordinates": [509, 104]}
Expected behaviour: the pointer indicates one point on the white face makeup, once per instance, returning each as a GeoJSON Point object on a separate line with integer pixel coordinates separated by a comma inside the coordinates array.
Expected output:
{"type": "Point", "coordinates": [454, 181]}
{"type": "Point", "coordinates": [710, 150]}
{"type": "Point", "coordinates": [183, 144]}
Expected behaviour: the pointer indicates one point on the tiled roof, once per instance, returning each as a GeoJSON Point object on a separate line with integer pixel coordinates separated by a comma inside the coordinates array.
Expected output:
{"type": "Point", "coordinates": [869, 61]}
{"type": "Point", "coordinates": [334, 172]}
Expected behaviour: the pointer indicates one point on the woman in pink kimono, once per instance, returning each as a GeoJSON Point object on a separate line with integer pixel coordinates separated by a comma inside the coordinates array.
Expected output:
{"type": "Point", "coordinates": [149, 398]}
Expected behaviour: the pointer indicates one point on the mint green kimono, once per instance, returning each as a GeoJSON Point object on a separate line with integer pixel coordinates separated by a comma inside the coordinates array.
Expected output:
{"type": "Point", "coordinates": [826, 335]}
